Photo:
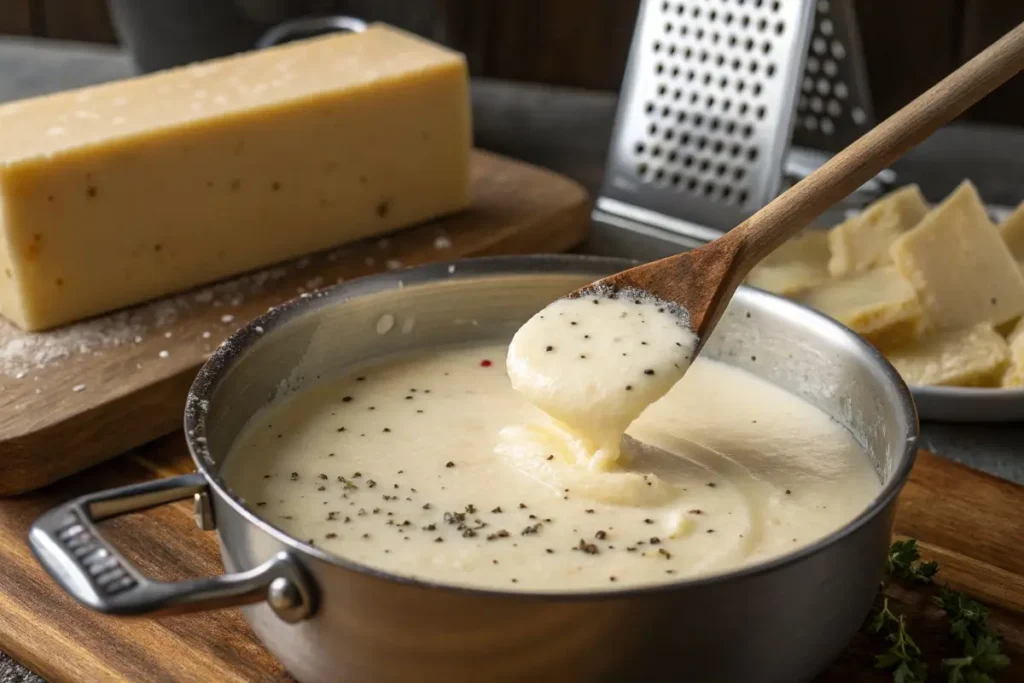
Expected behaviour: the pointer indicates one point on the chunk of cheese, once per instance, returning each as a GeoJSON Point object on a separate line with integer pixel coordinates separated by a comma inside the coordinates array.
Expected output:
{"type": "Point", "coordinates": [975, 356]}
{"type": "Point", "coordinates": [799, 264]}
{"type": "Point", "coordinates": [879, 304]}
{"type": "Point", "coordinates": [1012, 230]}
{"type": "Point", "coordinates": [960, 266]}
{"type": "Point", "coordinates": [862, 242]}
{"type": "Point", "coordinates": [1014, 375]}
{"type": "Point", "coordinates": [119, 193]}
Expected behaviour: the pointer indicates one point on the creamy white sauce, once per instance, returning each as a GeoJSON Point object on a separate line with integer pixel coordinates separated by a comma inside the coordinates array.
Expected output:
{"type": "Point", "coordinates": [594, 363]}
{"type": "Point", "coordinates": [434, 467]}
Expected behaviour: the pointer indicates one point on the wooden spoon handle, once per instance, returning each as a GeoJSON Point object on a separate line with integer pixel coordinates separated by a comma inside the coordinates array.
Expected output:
{"type": "Point", "coordinates": [793, 210]}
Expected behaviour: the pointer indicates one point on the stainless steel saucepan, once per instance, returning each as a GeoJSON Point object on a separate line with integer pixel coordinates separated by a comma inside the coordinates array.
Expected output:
{"type": "Point", "coordinates": [329, 619]}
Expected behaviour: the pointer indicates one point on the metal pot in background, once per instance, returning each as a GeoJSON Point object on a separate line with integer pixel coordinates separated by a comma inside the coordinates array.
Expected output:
{"type": "Point", "coordinates": [327, 618]}
{"type": "Point", "coordinates": [160, 34]}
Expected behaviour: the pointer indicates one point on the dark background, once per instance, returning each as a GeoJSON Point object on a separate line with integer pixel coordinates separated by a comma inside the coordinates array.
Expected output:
{"type": "Point", "coordinates": [909, 44]}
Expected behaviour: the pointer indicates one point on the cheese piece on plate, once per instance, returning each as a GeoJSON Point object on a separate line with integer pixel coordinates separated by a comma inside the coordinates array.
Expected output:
{"type": "Point", "coordinates": [960, 266]}
{"type": "Point", "coordinates": [127, 191]}
{"type": "Point", "coordinates": [1012, 230]}
{"type": "Point", "coordinates": [879, 304]}
{"type": "Point", "coordinates": [1014, 375]}
{"type": "Point", "coordinates": [799, 264]}
{"type": "Point", "coordinates": [974, 356]}
{"type": "Point", "coordinates": [862, 242]}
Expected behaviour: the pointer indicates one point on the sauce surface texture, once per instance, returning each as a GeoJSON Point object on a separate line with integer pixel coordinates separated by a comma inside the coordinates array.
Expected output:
{"type": "Point", "coordinates": [435, 467]}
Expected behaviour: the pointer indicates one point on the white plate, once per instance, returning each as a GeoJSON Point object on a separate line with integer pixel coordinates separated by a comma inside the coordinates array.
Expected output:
{"type": "Point", "coordinates": [964, 404]}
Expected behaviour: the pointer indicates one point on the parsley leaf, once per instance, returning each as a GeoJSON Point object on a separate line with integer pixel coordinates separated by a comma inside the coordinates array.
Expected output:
{"type": "Point", "coordinates": [904, 562]}
{"type": "Point", "coordinates": [903, 655]}
{"type": "Point", "coordinates": [967, 617]}
{"type": "Point", "coordinates": [982, 655]}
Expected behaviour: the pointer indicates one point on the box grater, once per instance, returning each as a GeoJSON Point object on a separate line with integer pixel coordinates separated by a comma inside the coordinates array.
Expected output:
{"type": "Point", "coordinates": [834, 105]}
{"type": "Point", "coordinates": [708, 107]}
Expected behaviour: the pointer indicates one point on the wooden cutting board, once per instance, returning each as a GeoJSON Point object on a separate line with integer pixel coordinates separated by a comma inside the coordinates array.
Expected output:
{"type": "Point", "coordinates": [73, 397]}
{"type": "Point", "coordinates": [969, 521]}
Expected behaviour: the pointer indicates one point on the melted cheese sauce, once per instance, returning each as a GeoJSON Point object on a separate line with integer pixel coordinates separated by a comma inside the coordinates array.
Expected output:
{"type": "Point", "coordinates": [434, 467]}
{"type": "Point", "coordinates": [595, 363]}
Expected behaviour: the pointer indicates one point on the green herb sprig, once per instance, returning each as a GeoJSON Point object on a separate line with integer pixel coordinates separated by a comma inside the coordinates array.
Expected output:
{"type": "Point", "coordinates": [903, 655]}
{"type": "Point", "coordinates": [904, 562]}
{"type": "Point", "coordinates": [968, 622]}
{"type": "Point", "coordinates": [981, 655]}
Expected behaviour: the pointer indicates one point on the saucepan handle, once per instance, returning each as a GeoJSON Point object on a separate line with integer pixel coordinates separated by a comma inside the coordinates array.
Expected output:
{"type": "Point", "coordinates": [308, 26]}
{"type": "Point", "coordinates": [67, 543]}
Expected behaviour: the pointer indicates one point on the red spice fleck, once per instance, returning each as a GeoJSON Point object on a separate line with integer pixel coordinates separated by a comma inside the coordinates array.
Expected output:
{"type": "Point", "coordinates": [485, 363]}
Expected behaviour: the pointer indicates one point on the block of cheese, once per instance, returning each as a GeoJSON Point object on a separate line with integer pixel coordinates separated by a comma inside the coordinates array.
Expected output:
{"type": "Point", "coordinates": [799, 264]}
{"type": "Point", "coordinates": [1012, 230]}
{"type": "Point", "coordinates": [862, 242]}
{"type": "Point", "coordinates": [974, 356]}
{"type": "Point", "coordinates": [959, 264]}
{"type": "Point", "coordinates": [118, 193]}
{"type": "Point", "coordinates": [1014, 375]}
{"type": "Point", "coordinates": [879, 304]}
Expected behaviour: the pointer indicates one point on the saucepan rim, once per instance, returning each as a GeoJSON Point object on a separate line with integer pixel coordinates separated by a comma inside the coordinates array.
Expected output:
{"type": "Point", "coordinates": [233, 349]}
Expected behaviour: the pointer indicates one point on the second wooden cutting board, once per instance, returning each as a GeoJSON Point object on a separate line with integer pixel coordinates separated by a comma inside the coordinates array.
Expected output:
{"type": "Point", "coordinates": [73, 397]}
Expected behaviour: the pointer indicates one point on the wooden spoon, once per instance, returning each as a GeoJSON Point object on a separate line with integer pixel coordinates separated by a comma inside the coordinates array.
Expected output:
{"type": "Point", "coordinates": [703, 280]}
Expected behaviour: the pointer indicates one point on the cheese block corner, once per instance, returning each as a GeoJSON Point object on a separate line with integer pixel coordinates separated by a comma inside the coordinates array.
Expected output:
{"type": "Point", "coordinates": [118, 193]}
{"type": "Point", "coordinates": [1012, 230]}
{"type": "Point", "coordinates": [974, 356]}
{"type": "Point", "coordinates": [961, 267]}
{"type": "Point", "coordinates": [1014, 375]}
{"type": "Point", "coordinates": [879, 304]}
{"type": "Point", "coordinates": [862, 242]}
{"type": "Point", "coordinates": [799, 264]}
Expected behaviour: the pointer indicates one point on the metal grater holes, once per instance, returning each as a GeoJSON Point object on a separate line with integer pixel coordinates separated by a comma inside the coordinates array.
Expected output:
{"type": "Point", "coordinates": [698, 141]}
{"type": "Point", "coordinates": [824, 97]}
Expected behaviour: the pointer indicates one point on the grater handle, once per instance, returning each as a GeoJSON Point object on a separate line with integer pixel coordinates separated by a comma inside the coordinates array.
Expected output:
{"type": "Point", "coordinates": [841, 175]}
